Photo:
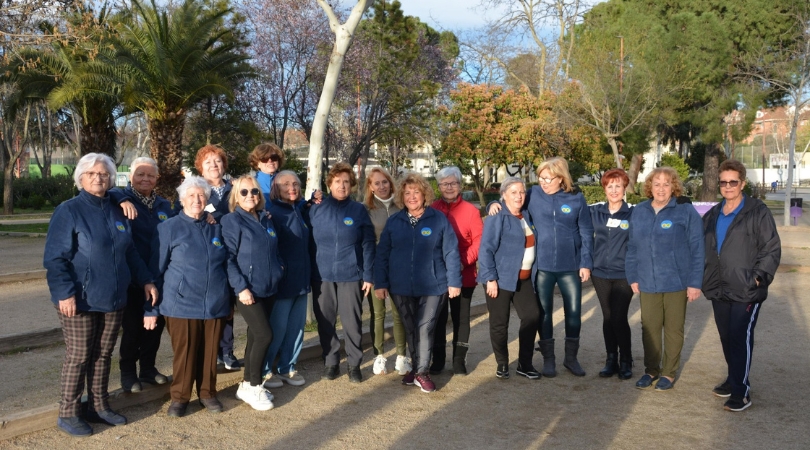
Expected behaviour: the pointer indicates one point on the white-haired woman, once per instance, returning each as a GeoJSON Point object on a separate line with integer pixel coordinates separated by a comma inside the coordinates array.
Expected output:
{"type": "Point", "coordinates": [190, 261]}
{"type": "Point", "coordinates": [90, 261]}
{"type": "Point", "coordinates": [146, 209]}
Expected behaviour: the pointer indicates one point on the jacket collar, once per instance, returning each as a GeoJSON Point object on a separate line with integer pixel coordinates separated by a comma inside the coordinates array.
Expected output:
{"type": "Point", "coordinates": [93, 200]}
{"type": "Point", "coordinates": [603, 207]}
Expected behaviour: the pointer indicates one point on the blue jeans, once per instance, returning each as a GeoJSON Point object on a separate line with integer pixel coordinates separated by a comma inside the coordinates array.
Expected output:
{"type": "Point", "coordinates": [571, 289]}
{"type": "Point", "coordinates": [287, 322]}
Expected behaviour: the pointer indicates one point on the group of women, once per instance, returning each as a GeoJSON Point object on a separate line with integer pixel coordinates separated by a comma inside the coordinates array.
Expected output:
{"type": "Point", "coordinates": [255, 245]}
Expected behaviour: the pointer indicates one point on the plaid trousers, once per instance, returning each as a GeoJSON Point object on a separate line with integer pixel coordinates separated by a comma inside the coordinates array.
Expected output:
{"type": "Point", "coordinates": [89, 341]}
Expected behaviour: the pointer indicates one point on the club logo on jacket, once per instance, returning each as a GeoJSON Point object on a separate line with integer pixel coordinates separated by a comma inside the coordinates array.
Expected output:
{"type": "Point", "coordinates": [426, 231]}
{"type": "Point", "coordinates": [624, 225]}
{"type": "Point", "coordinates": [216, 242]}
{"type": "Point", "coordinates": [120, 226]}
{"type": "Point", "coordinates": [348, 221]}
{"type": "Point", "coordinates": [271, 232]}
{"type": "Point", "coordinates": [162, 216]}
{"type": "Point", "coordinates": [667, 224]}
{"type": "Point", "coordinates": [565, 209]}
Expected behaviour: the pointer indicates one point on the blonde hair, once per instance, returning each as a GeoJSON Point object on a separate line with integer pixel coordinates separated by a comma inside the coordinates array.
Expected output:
{"type": "Point", "coordinates": [237, 186]}
{"type": "Point", "coordinates": [369, 199]}
{"type": "Point", "coordinates": [559, 168]}
{"type": "Point", "coordinates": [413, 179]}
{"type": "Point", "coordinates": [674, 180]}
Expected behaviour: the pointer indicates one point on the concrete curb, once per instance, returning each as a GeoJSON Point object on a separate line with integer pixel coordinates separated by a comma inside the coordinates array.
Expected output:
{"type": "Point", "coordinates": [44, 417]}
{"type": "Point", "coordinates": [20, 234]}
{"type": "Point", "coordinates": [22, 276]}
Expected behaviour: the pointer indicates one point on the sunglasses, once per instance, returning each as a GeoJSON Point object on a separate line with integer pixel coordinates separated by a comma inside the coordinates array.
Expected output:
{"type": "Point", "coordinates": [732, 183]}
{"type": "Point", "coordinates": [244, 192]}
{"type": "Point", "coordinates": [274, 158]}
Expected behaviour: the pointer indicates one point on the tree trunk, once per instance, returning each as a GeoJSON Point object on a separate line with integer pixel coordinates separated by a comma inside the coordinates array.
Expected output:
{"type": "Point", "coordinates": [166, 147]}
{"type": "Point", "coordinates": [99, 138]}
{"type": "Point", "coordinates": [636, 161]}
{"type": "Point", "coordinates": [615, 147]}
{"type": "Point", "coordinates": [711, 166]}
{"type": "Point", "coordinates": [343, 39]}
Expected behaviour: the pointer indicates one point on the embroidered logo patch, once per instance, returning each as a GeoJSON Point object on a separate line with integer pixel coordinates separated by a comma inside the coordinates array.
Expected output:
{"type": "Point", "coordinates": [120, 226]}
{"type": "Point", "coordinates": [348, 221]}
{"type": "Point", "coordinates": [162, 216]}
{"type": "Point", "coordinates": [271, 232]}
{"type": "Point", "coordinates": [216, 242]}
{"type": "Point", "coordinates": [667, 224]}
{"type": "Point", "coordinates": [565, 209]}
{"type": "Point", "coordinates": [624, 225]}
{"type": "Point", "coordinates": [426, 231]}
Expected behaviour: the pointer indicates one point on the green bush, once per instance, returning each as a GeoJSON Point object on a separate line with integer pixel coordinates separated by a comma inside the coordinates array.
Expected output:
{"type": "Point", "coordinates": [595, 194]}
{"type": "Point", "coordinates": [36, 192]}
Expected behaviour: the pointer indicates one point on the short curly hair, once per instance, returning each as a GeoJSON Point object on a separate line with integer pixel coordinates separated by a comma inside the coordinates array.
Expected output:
{"type": "Point", "coordinates": [413, 179]}
{"type": "Point", "coordinates": [733, 165]}
{"type": "Point", "coordinates": [615, 174]}
{"type": "Point", "coordinates": [669, 172]}
{"type": "Point", "coordinates": [338, 169]}
{"type": "Point", "coordinates": [207, 150]}
{"type": "Point", "coordinates": [264, 151]}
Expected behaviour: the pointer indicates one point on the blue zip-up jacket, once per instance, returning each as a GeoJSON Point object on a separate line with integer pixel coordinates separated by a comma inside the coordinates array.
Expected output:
{"type": "Point", "coordinates": [344, 240]}
{"type": "Point", "coordinates": [563, 230]}
{"type": "Point", "coordinates": [265, 184]}
{"type": "Point", "coordinates": [255, 263]}
{"type": "Point", "coordinates": [144, 227]}
{"type": "Point", "coordinates": [611, 232]}
{"type": "Point", "coordinates": [419, 260]}
{"type": "Point", "coordinates": [89, 254]}
{"type": "Point", "coordinates": [294, 243]}
{"type": "Point", "coordinates": [665, 250]}
{"type": "Point", "coordinates": [191, 262]}
{"type": "Point", "coordinates": [503, 245]}
{"type": "Point", "coordinates": [220, 205]}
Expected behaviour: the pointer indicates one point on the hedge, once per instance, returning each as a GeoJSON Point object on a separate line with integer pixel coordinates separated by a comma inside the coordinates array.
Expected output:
{"type": "Point", "coordinates": [35, 192]}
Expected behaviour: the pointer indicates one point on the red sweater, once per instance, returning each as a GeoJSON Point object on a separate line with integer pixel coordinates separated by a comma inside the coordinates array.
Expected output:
{"type": "Point", "coordinates": [466, 221]}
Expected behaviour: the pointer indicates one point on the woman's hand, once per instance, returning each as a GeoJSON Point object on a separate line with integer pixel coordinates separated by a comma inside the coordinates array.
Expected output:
{"type": "Point", "coordinates": [149, 323]}
{"type": "Point", "coordinates": [492, 288]}
{"type": "Point", "coordinates": [246, 297]}
{"type": "Point", "coordinates": [494, 209]}
{"type": "Point", "coordinates": [317, 197]}
{"type": "Point", "coordinates": [692, 294]}
{"type": "Point", "coordinates": [151, 293]}
{"type": "Point", "coordinates": [381, 293]}
{"type": "Point", "coordinates": [367, 287]}
{"type": "Point", "coordinates": [209, 219]}
{"type": "Point", "coordinates": [129, 210]}
{"type": "Point", "coordinates": [453, 292]}
{"type": "Point", "coordinates": [68, 306]}
{"type": "Point", "coordinates": [634, 287]}
{"type": "Point", "coordinates": [584, 274]}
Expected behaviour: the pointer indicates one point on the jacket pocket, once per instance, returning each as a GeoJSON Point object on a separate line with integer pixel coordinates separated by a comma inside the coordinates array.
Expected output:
{"type": "Point", "coordinates": [180, 287]}
{"type": "Point", "coordinates": [85, 284]}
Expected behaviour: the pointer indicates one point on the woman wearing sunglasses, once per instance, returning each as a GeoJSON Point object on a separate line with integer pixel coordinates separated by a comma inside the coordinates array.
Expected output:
{"type": "Point", "coordinates": [266, 160]}
{"type": "Point", "coordinates": [254, 272]}
{"type": "Point", "coordinates": [743, 253]}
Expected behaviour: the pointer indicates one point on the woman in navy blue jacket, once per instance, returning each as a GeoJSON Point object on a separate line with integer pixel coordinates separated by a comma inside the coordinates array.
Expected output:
{"type": "Point", "coordinates": [344, 253]}
{"type": "Point", "coordinates": [418, 263]}
{"type": "Point", "coordinates": [289, 315]}
{"type": "Point", "coordinates": [146, 209]}
{"type": "Point", "coordinates": [191, 262]}
{"type": "Point", "coordinates": [254, 272]}
{"type": "Point", "coordinates": [664, 263]}
{"type": "Point", "coordinates": [505, 262]}
{"type": "Point", "coordinates": [90, 260]}
{"type": "Point", "coordinates": [611, 223]}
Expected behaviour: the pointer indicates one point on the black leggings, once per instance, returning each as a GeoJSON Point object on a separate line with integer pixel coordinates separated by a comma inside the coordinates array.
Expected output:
{"type": "Point", "coordinates": [571, 290]}
{"type": "Point", "coordinates": [259, 336]}
{"type": "Point", "coordinates": [614, 298]}
{"type": "Point", "coordinates": [460, 312]}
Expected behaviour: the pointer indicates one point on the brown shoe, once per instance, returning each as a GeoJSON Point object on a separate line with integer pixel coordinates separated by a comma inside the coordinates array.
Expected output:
{"type": "Point", "coordinates": [211, 404]}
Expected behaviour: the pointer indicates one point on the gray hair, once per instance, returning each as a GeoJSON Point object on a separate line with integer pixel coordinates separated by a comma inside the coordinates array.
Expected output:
{"type": "Point", "coordinates": [507, 183]}
{"type": "Point", "coordinates": [143, 161]}
{"type": "Point", "coordinates": [447, 172]}
{"type": "Point", "coordinates": [274, 190]}
{"type": "Point", "coordinates": [193, 182]}
{"type": "Point", "coordinates": [88, 161]}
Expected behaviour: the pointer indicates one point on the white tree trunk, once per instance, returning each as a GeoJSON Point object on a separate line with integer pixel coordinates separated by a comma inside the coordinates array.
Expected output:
{"type": "Point", "coordinates": [343, 39]}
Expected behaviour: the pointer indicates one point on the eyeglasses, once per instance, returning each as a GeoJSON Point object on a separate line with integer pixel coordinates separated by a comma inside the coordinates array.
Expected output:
{"type": "Point", "coordinates": [101, 175]}
{"type": "Point", "coordinates": [274, 158]}
{"type": "Point", "coordinates": [732, 183]}
{"type": "Point", "coordinates": [244, 192]}
{"type": "Point", "coordinates": [449, 184]}
{"type": "Point", "coordinates": [547, 180]}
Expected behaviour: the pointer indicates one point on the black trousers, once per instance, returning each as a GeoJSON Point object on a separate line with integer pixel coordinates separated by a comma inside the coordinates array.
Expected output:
{"type": "Point", "coordinates": [614, 298]}
{"type": "Point", "coordinates": [138, 345]}
{"type": "Point", "coordinates": [330, 299]}
{"type": "Point", "coordinates": [460, 314]}
{"type": "Point", "coordinates": [259, 336]}
{"type": "Point", "coordinates": [735, 324]}
{"type": "Point", "coordinates": [419, 319]}
{"type": "Point", "coordinates": [528, 312]}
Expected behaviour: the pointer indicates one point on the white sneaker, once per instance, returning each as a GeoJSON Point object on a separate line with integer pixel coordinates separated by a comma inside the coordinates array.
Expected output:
{"type": "Point", "coordinates": [256, 397]}
{"type": "Point", "coordinates": [403, 365]}
{"type": "Point", "coordinates": [272, 381]}
{"type": "Point", "coordinates": [292, 378]}
{"type": "Point", "coordinates": [379, 365]}
{"type": "Point", "coordinates": [244, 391]}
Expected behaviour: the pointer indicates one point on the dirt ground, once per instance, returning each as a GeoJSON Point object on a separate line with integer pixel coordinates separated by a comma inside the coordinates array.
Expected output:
{"type": "Point", "coordinates": [480, 411]}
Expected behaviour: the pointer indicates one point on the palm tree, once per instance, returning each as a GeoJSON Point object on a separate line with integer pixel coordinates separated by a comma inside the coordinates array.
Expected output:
{"type": "Point", "coordinates": [175, 58]}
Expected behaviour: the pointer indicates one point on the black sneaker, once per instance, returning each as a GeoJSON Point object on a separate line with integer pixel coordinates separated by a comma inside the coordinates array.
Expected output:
{"type": "Point", "coordinates": [153, 377]}
{"type": "Point", "coordinates": [737, 404]}
{"type": "Point", "coordinates": [355, 376]}
{"type": "Point", "coordinates": [502, 372]}
{"type": "Point", "coordinates": [211, 404]}
{"type": "Point", "coordinates": [528, 372]}
{"type": "Point", "coordinates": [177, 409]}
{"type": "Point", "coordinates": [723, 389]}
{"type": "Point", "coordinates": [330, 372]}
{"type": "Point", "coordinates": [130, 383]}
{"type": "Point", "coordinates": [107, 416]}
{"type": "Point", "coordinates": [231, 362]}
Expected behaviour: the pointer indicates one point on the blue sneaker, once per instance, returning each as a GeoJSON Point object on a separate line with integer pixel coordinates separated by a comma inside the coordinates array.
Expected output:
{"type": "Point", "coordinates": [107, 416]}
{"type": "Point", "coordinates": [74, 426]}
{"type": "Point", "coordinates": [646, 381]}
{"type": "Point", "coordinates": [231, 363]}
{"type": "Point", "coordinates": [664, 384]}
